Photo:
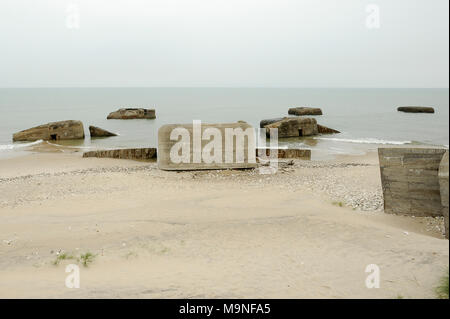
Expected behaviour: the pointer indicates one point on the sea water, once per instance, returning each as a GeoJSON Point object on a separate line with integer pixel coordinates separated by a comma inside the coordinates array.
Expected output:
{"type": "Point", "coordinates": [367, 118]}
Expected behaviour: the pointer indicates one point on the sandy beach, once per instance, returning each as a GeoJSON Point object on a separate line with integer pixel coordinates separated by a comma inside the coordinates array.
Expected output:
{"type": "Point", "coordinates": [137, 142]}
{"type": "Point", "coordinates": [308, 231]}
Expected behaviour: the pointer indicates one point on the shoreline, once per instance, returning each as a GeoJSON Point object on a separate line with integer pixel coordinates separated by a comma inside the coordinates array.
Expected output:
{"type": "Point", "coordinates": [331, 149]}
{"type": "Point", "coordinates": [211, 234]}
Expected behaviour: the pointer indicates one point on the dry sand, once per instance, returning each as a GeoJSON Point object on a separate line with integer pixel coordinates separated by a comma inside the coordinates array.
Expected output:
{"type": "Point", "coordinates": [226, 234]}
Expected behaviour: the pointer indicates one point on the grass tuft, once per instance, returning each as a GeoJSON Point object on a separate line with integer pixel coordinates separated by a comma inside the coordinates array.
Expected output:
{"type": "Point", "coordinates": [442, 289]}
{"type": "Point", "coordinates": [62, 256]}
{"type": "Point", "coordinates": [86, 258]}
{"type": "Point", "coordinates": [340, 204]}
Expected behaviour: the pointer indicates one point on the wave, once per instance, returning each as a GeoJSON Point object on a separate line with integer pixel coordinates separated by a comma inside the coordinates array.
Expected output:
{"type": "Point", "coordinates": [79, 147]}
{"type": "Point", "coordinates": [7, 147]}
{"type": "Point", "coordinates": [364, 141]}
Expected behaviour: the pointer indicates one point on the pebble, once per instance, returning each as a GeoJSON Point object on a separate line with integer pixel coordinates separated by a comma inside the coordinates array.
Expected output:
{"type": "Point", "coordinates": [320, 177]}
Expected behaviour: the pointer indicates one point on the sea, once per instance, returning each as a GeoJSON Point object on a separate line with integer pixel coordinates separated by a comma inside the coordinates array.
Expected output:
{"type": "Point", "coordinates": [366, 118]}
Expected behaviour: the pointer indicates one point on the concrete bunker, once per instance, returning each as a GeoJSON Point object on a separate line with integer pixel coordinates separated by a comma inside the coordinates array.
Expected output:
{"type": "Point", "coordinates": [55, 131]}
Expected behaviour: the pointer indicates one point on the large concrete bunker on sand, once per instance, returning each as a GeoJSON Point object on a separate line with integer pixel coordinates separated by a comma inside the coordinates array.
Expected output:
{"type": "Point", "coordinates": [415, 181]}
{"type": "Point", "coordinates": [443, 183]}
{"type": "Point", "coordinates": [206, 146]}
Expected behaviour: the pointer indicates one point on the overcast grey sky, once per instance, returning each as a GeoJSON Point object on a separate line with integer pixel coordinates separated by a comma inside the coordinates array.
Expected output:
{"type": "Point", "coordinates": [282, 43]}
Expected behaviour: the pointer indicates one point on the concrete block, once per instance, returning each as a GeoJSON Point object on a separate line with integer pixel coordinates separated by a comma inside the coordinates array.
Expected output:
{"type": "Point", "coordinates": [206, 146]}
{"type": "Point", "coordinates": [443, 183]}
{"type": "Point", "coordinates": [290, 153]}
{"type": "Point", "coordinates": [294, 127]}
{"type": "Point", "coordinates": [55, 131]}
{"type": "Point", "coordinates": [140, 154]}
{"type": "Point", "coordinates": [410, 182]}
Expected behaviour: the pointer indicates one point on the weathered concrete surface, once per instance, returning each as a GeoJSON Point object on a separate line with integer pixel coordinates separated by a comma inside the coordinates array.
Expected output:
{"type": "Point", "coordinates": [321, 129]}
{"type": "Point", "coordinates": [64, 130]}
{"type": "Point", "coordinates": [132, 113]}
{"type": "Point", "coordinates": [142, 154]}
{"type": "Point", "coordinates": [443, 182]}
{"type": "Point", "coordinates": [300, 111]}
{"type": "Point", "coordinates": [415, 109]}
{"type": "Point", "coordinates": [194, 159]}
{"type": "Point", "coordinates": [326, 130]}
{"type": "Point", "coordinates": [294, 127]}
{"type": "Point", "coordinates": [290, 153]}
{"type": "Point", "coordinates": [264, 123]}
{"type": "Point", "coordinates": [409, 177]}
{"type": "Point", "coordinates": [99, 132]}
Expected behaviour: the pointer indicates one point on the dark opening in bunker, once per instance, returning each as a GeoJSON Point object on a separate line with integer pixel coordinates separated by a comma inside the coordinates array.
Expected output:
{"type": "Point", "coordinates": [300, 132]}
{"type": "Point", "coordinates": [53, 137]}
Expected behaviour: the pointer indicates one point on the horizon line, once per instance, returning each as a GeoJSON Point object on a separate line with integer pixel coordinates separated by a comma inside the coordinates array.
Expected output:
{"type": "Point", "coordinates": [218, 87]}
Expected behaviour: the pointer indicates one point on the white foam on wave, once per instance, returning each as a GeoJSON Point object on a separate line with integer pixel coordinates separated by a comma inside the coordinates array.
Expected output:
{"type": "Point", "coordinates": [8, 147]}
{"type": "Point", "coordinates": [364, 141]}
{"type": "Point", "coordinates": [71, 146]}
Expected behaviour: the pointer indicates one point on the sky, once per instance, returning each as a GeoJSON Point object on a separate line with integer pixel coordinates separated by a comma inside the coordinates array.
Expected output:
{"type": "Point", "coordinates": [224, 43]}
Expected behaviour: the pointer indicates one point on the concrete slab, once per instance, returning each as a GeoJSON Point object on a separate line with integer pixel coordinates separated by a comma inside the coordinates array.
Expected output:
{"type": "Point", "coordinates": [206, 146]}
